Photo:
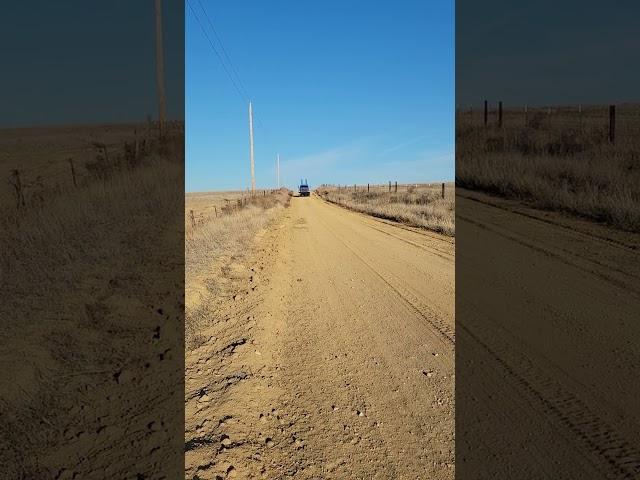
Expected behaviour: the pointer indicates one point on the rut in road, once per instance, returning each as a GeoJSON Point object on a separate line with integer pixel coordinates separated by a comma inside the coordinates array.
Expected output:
{"type": "Point", "coordinates": [544, 372]}
{"type": "Point", "coordinates": [348, 356]}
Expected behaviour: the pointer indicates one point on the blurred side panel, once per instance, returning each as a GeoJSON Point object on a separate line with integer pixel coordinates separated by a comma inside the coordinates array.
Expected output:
{"type": "Point", "coordinates": [92, 240]}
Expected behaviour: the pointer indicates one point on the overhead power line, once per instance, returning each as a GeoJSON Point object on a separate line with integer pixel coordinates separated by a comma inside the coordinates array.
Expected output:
{"type": "Point", "coordinates": [224, 50]}
{"type": "Point", "coordinates": [244, 97]}
{"type": "Point", "coordinates": [230, 70]}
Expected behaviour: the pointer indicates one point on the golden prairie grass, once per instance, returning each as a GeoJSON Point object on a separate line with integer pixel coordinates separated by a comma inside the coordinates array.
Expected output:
{"type": "Point", "coordinates": [561, 161]}
{"type": "Point", "coordinates": [419, 205]}
{"type": "Point", "coordinates": [215, 244]}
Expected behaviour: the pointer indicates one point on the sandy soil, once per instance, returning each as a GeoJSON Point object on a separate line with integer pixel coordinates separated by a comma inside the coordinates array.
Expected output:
{"type": "Point", "coordinates": [547, 345]}
{"type": "Point", "coordinates": [335, 359]}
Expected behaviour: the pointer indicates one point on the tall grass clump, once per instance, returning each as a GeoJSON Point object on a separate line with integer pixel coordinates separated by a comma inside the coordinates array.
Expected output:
{"type": "Point", "coordinates": [568, 166]}
{"type": "Point", "coordinates": [215, 242]}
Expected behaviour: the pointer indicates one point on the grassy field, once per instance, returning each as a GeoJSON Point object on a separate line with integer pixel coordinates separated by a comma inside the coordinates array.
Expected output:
{"type": "Point", "coordinates": [219, 238]}
{"type": "Point", "coordinates": [418, 205]}
{"type": "Point", "coordinates": [47, 159]}
{"type": "Point", "coordinates": [557, 158]}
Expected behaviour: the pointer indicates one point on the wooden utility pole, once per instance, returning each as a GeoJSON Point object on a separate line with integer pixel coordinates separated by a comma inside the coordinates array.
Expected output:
{"type": "Point", "coordinates": [160, 68]}
{"type": "Point", "coordinates": [253, 175]}
{"type": "Point", "coordinates": [278, 168]}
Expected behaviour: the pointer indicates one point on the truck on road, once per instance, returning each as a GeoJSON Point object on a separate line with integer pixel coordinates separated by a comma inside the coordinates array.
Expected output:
{"type": "Point", "coordinates": [303, 190]}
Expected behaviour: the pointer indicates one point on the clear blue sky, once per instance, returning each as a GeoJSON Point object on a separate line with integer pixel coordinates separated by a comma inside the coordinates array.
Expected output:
{"type": "Point", "coordinates": [346, 91]}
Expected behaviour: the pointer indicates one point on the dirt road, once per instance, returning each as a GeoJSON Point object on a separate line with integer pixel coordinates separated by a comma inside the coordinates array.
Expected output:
{"type": "Point", "coordinates": [547, 352]}
{"type": "Point", "coordinates": [334, 360]}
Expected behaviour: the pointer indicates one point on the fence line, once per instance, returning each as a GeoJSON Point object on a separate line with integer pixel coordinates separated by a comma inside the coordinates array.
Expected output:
{"type": "Point", "coordinates": [30, 184]}
{"type": "Point", "coordinates": [392, 185]}
{"type": "Point", "coordinates": [231, 206]}
{"type": "Point", "coordinates": [613, 122]}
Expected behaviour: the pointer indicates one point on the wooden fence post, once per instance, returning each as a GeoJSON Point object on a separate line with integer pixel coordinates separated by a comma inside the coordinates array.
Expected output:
{"type": "Point", "coordinates": [193, 220]}
{"type": "Point", "coordinates": [443, 190]}
{"type": "Point", "coordinates": [612, 124]}
{"type": "Point", "coordinates": [73, 172]}
{"type": "Point", "coordinates": [367, 188]}
{"type": "Point", "coordinates": [396, 187]}
{"type": "Point", "coordinates": [136, 149]}
{"type": "Point", "coordinates": [389, 186]}
{"type": "Point", "coordinates": [216, 209]}
{"type": "Point", "coordinates": [500, 114]}
{"type": "Point", "coordinates": [486, 113]}
{"type": "Point", "coordinates": [580, 115]}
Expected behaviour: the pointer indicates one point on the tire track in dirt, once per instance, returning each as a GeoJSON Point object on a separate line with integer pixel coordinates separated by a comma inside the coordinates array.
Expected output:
{"type": "Point", "coordinates": [431, 317]}
{"type": "Point", "coordinates": [546, 354]}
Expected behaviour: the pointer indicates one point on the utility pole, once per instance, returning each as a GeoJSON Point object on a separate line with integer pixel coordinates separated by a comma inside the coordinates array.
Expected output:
{"type": "Point", "coordinates": [278, 168]}
{"type": "Point", "coordinates": [160, 67]}
{"type": "Point", "coordinates": [253, 175]}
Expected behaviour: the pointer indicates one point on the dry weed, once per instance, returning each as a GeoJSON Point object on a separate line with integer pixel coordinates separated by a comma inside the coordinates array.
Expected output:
{"type": "Point", "coordinates": [416, 205]}
{"type": "Point", "coordinates": [214, 243]}
{"type": "Point", "coordinates": [561, 163]}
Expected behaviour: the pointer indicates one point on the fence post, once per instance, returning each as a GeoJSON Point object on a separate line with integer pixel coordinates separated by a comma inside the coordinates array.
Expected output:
{"type": "Point", "coordinates": [500, 114]}
{"type": "Point", "coordinates": [389, 186]}
{"type": "Point", "coordinates": [396, 187]}
{"type": "Point", "coordinates": [612, 124]}
{"type": "Point", "coordinates": [367, 188]}
{"type": "Point", "coordinates": [193, 220]}
{"type": "Point", "coordinates": [443, 190]}
{"type": "Point", "coordinates": [580, 116]}
{"type": "Point", "coordinates": [216, 209]}
{"type": "Point", "coordinates": [526, 117]}
{"type": "Point", "coordinates": [486, 113]}
{"type": "Point", "coordinates": [136, 150]}
{"type": "Point", "coordinates": [73, 172]}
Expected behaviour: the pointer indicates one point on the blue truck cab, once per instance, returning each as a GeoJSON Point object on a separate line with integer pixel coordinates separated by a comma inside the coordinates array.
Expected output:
{"type": "Point", "coordinates": [303, 190]}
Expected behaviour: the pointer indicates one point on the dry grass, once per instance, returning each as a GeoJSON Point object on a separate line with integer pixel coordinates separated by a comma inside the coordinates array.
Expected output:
{"type": "Point", "coordinates": [216, 243]}
{"type": "Point", "coordinates": [76, 269]}
{"type": "Point", "coordinates": [562, 162]}
{"type": "Point", "coordinates": [419, 205]}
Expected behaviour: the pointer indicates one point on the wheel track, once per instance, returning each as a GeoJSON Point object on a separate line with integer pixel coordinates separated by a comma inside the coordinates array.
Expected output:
{"type": "Point", "coordinates": [590, 236]}
{"type": "Point", "coordinates": [617, 455]}
{"type": "Point", "coordinates": [627, 286]}
{"type": "Point", "coordinates": [440, 327]}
